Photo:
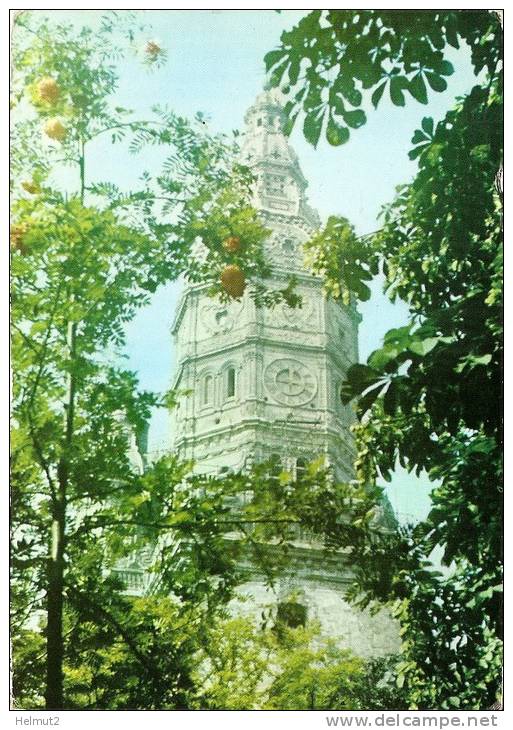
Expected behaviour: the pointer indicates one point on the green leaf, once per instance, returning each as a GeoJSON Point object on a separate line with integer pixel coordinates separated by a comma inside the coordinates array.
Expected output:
{"type": "Point", "coordinates": [284, 478]}
{"type": "Point", "coordinates": [399, 336]}
{"type": "Point", "coordinates": [428, 126]}
{"type": "Point", "coordinates": [354, 96]}
{"type": "Point", "coordinates": [436, 82]}
{"type": "Point", "coordinates": [336, 134]}
{"type": "Point", "coordinates": [445, 68]}
{"type": "Point", "coordinates": [295, 65]}
{"type": "Point", "coordinates": [434, 152]}
{"type": "Point", "coordinates": [272, 58]}
{"type": "Point", "coordinates": [417, 88]}
{"type": "Point", "coordinates": [377, 94]}
{"type": "Point", "coordinates": [277, 74]}
{"type": "Point", "coordinates": [316, 466]}
{"type": "Point", "coordinates": [471, 361]}
{"type": "Point", "coordinates": [359, 378]}
{"type": "Point", "coordinates": [417, 151]}
{"type": "Point", "coordinates": [422, 347]}
{"type": "Point", "coordinates": [382, 357]}
{"type": "Point", "coordinates": [363, 292]}
{"type": "Point", "coordinates": [178, 518]}
{"type": "Point", "coordinates": [396, 90]}
{"type": "Point", "coordinates": [289, 124]}
{"type": "Point", "coordinates": [419, 137]}
{"type": "Point", "coordinates": [451, 35]}
{"type": "Point", "coordinates": [365, 402]}
{"type": "Point", "coordinates": [482, 360]}
{"type": "Point", "coordinates": [355, 118]}
{"type": "Point", "coordinates": [390, 399]}
{"type": "Point", "coordinates": [312, 128]}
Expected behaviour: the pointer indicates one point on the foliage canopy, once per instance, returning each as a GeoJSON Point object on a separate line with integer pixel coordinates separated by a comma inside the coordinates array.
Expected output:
{"type": "Point", "coordinates": [429, 398]}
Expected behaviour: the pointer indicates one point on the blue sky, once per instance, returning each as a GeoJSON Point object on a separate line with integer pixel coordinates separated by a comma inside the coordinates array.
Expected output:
{"type": "Point", "coordinates": [215, 66]}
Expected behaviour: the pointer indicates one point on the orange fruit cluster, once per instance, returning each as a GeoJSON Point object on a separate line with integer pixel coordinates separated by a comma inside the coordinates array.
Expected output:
{"type": "Point", "coordinates": [56, 130]}
{"type": "Point", "coordinates": [153, 49]}
{"type": "Point", "coordinates": [232, 244]}
{"type": "Point", "coordinates": [16, 235]}
{"type": "Point", "coordinates": [233, 281]}
{"type": "Point", "coordinates": [48, 90]}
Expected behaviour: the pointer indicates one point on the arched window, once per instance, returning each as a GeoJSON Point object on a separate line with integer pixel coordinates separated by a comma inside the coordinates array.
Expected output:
{"type": "Point", "coordinates": [288, 245]}
{"type": "Point", "coordinates": [275, 466]}
{"type": "Point", "coordinates": [301, 465]}
{"type": "Point", "coordinates": [230, 383]}
{"type": "Point", "coordinates": [275, 461]}
{"type": "Point", "coordinates": [207, 389]}
{"type": "Point", "coordinates": [291, 614]}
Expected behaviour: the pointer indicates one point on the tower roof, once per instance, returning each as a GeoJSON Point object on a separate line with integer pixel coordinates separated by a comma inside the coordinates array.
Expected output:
{"type": "Point", "coordinates": [266, 149]}
{"type": "Point", "coordinates": [269, 99]}
{"type": "Point", "coordinates": [264, 139]}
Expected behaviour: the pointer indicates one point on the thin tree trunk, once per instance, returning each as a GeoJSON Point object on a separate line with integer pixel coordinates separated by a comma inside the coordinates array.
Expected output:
{"type": "Point", "coordinates": [54, 638]}
{"type": "Point", "coordinates": [55, 597]}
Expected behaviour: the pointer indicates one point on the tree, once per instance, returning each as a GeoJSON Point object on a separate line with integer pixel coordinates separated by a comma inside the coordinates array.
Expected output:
{"type": "Point", "coordinates": [276, 667]}
{"type": "Point", "coordinates": [243, 666]}
{"type": "Point", "coordinates": [233, 666]}
{"type": "Point", "coordinates": [128, 652]}
{"type": "Point", "coordinates": [336, 59]}
{"type": "Point", "coordinates": [84, 260]}
{"type": "Point", "coordinates": [430, 397]}
{"type": "Point", "coordinates": [312, 677]}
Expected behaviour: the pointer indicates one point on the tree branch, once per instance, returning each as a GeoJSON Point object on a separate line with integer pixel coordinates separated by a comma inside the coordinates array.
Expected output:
{"type": "Point", "coordinates": [187, 526]}
{"type": "Point", "coordinates": [127, 638]}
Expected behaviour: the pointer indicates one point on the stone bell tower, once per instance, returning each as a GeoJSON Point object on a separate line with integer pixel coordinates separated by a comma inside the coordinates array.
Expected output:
{"type": "Point", "coordinates": [265, 383]}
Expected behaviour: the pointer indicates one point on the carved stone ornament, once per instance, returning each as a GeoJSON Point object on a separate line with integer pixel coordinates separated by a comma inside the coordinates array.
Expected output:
{"type": "Point", "coordinates": [296, 317]}
{"type": "Point", "coordinates": [219, 318]}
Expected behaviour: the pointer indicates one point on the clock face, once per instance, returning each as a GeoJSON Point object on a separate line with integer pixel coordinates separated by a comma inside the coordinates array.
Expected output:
{"type": "Point", "coordinates": [219, 318]}
{"type": "Point", "coordinates": [290, 382]}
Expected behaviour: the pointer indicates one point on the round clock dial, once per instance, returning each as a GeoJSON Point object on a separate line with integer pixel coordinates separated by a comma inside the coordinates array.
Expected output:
{"type": "Point", "coordinates": [290, 382]}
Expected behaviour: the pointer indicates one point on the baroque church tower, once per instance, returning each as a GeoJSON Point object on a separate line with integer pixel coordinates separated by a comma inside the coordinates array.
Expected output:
{"type": "Point", "coordinates": [265, 383]}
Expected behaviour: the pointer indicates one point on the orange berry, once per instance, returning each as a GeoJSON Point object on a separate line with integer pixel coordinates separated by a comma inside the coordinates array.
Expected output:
{"type": "Point", "coordinates": [16, 235]}
{"type": "Point", "coordinates": [48, 90]}
{"type": "Point", "coordinates": [233, 281]}
{"type": "Point", "coordinates": [152, 49]}
{"type": "Point", "coordinates": [232, 244]}
{"type": "Point", "coordinates": [56, 130]}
